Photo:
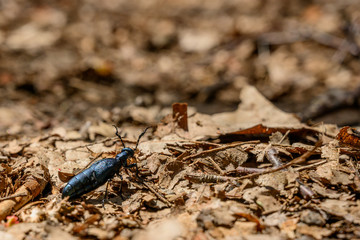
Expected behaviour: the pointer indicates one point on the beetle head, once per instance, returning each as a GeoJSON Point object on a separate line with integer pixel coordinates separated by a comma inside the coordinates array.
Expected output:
{"type": "Point", "coordinates": [129, 151]}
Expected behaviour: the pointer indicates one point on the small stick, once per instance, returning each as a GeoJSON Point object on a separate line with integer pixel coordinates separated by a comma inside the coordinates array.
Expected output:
{"type": "Point", "coordinates": [205, 143]}
{"type": "Point", "coordinates": [13, 196]}
{"type": "Point", "coordinates": [298, 160]}
{"type": "Point", "coordinates": [202, 161]}
{"type": "Point", "coordinates": [310, 166]}
{"type": "Point", "coordinates": [283, 138]}
{"type": "Point", "coordinates": [169, 204]}
{"type": "Point", "coordinates": [218, 149]}
{"type": "Point", "coordinates": [215, 165]}
{"type": "Point", "coordinates": [216, 178]}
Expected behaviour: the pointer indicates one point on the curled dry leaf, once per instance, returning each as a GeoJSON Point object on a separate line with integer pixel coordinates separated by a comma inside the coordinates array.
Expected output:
{"type": "Point", "coordinates": [349, 136]}
{"type": "Point", "coordinates": [32, 186]}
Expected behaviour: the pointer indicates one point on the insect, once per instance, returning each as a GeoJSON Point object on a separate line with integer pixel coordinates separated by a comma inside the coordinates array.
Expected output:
{"type": "Point", "coordinates": [100, 172]}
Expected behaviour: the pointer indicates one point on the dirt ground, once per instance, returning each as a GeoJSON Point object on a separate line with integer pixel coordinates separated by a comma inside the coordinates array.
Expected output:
{"type": "Point", "coordinates": [266, 146]}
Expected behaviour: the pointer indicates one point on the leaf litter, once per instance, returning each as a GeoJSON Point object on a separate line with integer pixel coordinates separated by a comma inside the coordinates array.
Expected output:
{"type": "Point", "coordinates": [204, 182]}
{"type": "Point", "coordinates": [72, 69]}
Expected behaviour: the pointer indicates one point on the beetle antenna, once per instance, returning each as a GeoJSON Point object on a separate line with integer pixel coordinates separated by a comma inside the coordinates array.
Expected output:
{"type": "Point", "coordinates": [140, 136]}
{"type": "Point", "coordinates": [117, 134]}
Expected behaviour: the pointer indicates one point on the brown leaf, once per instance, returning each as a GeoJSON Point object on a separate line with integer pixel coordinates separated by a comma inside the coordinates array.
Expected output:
{"type": "Point", "coordinates": [65, 176]}
{"type": "Point", "coordinates": [349, 136]}
{"type": "Point", "coordinates": [262, 132]}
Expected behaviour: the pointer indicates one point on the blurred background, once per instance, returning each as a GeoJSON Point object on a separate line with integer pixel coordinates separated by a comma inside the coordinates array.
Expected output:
{"type": "Point", "coordinates": [68, 62]}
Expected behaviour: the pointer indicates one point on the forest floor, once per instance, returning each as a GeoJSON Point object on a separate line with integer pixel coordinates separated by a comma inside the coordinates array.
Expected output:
{"type": "Point", "coordinates": [261, 149]}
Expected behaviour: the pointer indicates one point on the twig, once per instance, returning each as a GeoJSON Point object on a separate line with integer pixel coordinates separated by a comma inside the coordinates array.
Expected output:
{"type": "Point", "coordinates": [202, 161]}
{"type": "Point", "coordinates": [215, 165]}
{"type": "Point", "coordinates": [13, 196]}
{"type": "Point", "coordinates": [298, 160]}
{"type": "Point", "coordinates": [175, 149]}
{"type": "Point", "coordinates": [218, 149]}
{"type": "Point", "coordinates": [216, 178]}
{"type": "Point", "coordinates": [205, 143]}
{"type": "Point", "coordinates": [169, 204]}
{"type": "Point", "coordinates": [310, 166]}
{"type": "Point", "coordinates": [285, 135]}
{"type": "Point", "coordinates": [273, 157]}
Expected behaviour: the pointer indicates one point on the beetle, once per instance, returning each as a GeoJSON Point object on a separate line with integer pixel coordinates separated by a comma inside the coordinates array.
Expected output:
{"type": "Point", "coordinates": [100, 172]}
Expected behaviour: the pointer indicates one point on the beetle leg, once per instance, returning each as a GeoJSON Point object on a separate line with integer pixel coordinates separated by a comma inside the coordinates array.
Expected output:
{"type": "Point", "coordinates": [106, 193]}
{"type": "Point", "coordinates": [131, 166]}
{"type": "Point", "coordinates": [122, 179]}
{"type": "Point", "coordinates": [122, 198]}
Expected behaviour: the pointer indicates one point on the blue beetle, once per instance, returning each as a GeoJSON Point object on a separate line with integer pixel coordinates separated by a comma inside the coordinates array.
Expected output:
{"type": "Point", "coordinates": [100, 172]}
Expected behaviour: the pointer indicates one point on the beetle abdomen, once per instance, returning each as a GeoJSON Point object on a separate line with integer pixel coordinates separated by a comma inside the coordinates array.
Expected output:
{"type": "Point", "coordinates": [91, 178]}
